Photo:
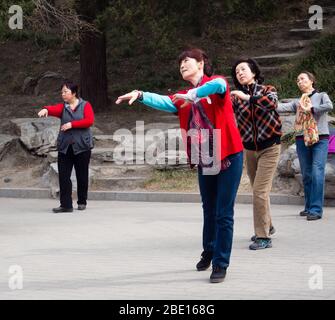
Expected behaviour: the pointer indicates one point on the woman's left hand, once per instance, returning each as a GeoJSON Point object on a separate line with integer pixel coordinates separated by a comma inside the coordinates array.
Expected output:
{"type": "Point", "coordinates": [66, 126]}
{"type": "Point", "coordinates": [308, 106]}
{"type": "Point", "coordinates": [240, 95]}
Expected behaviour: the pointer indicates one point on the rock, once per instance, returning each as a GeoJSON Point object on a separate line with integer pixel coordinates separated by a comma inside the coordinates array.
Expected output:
{"type": "Point", "coordinates": [7, 180]}
{"type": "Point", "coordinates": [286, 160]}
{"type": "Point", "coordinates": [5, 142]}
{"type": "Point", "coordinates": [330, 177]}
{"type": "Point", "coordinates": [162, 126]}
{"type": "Point", "coordinates": [39, 135]}
{"type": "Point", "coordinates": [29, 85]}
{"type": "Point", "coordinates": [96, 131]}
{"type": "Point", "coordinates": [49, 82]}
{"type": "Point", "coordinates": [296, 166]}
{"type": "Point", "coordinates": [50, 180]}
{"type": "Point", "coordinates": [289, 167]}
{"type": "Point", "coordinates": [287, 122]}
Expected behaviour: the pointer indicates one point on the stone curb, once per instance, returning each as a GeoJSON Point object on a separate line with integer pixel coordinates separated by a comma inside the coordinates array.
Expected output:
{"type": "Point", "coordinates": [243, 198]}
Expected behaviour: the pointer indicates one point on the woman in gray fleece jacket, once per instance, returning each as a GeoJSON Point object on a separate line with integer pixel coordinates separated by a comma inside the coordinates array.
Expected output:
{"type": "Point", "coordinates": [312, 158]}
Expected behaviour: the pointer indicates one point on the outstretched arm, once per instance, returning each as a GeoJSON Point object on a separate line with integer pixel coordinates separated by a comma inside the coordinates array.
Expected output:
{"type": "Point", "coordinates": [287, 107]}
{"type": "Point", "coordinates": [153, 100]}
{"type": "Point", "coordinates": [54, 111]}
{"type": "Point", "coordinates": [215, 86]}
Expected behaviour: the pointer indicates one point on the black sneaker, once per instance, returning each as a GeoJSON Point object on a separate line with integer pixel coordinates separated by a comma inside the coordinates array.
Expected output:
{"type": "Point", "coordinates": [205, 261]}
{"type": "Point", "coordinates": [311, 217]}
{"type": "Point", "coordinates": [81, 206]}
{"type": "Point", "coordinates": [303, 213]}
{"type": "Point", "coordinates": [272, 231]}
{"type": "Point", "coordinates": [218, 274]}
{"type": "Point", "coordinates": [62, 209]}
{"type": "Point", "coordinates": [261, 244]}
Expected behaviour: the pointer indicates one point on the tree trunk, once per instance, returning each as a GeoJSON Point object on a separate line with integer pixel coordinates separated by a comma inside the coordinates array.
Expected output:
{"type": "Point", "coordinates": [93, 66]}
{"type": "Point", "coordinates": [93, 71]}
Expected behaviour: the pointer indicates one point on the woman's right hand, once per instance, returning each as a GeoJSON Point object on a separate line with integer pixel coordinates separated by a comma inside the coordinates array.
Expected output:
{"type": "Point", "coordinates": [131, 97]}
{"type": "Point", "coordinates": [43, 113]}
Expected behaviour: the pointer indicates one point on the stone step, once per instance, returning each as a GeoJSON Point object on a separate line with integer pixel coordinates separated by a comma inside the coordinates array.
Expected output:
{"type": "Point", "coordinates": [104, 141]}
{"type": "Point", "coordinates": [158, 126]}
{"type": "Point", "coordinates": [290, 46]}
{"type": "Point", "coordinates": [170, 118]}
{"type": "Point", "coordinates": [304, 23]}
{"type": "Point", "coordinates": [304, 33]}
{"type": "Point", "coordinates": [328, 10]}
{"type": "Point", "coordinates": [270, 72]}
{"type": "Point", "coordinates": [278, 58]}
{"type": "Point", "coordinates": [112, 155]}
{"type": "Point", "coordinates": [149, 156]}
{"type": "Point", "coordinates": [113, 170]}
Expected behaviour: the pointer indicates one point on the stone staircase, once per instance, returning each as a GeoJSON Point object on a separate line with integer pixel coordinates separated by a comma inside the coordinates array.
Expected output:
{"type": "Point", "coordinates": [295, 42]}
{"type": "Point", "coordinates": [125, 165]}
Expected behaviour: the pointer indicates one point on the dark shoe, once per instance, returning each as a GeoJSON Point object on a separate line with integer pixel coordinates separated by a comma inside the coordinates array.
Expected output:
{"type": "Point", "coordinates": [261, 244]}
{"type": "Point", "coordinates": [218, 274]}
{"type": "Point", "coordinates": [61, 209]}
{"type": "Point", "coordinates": [205, 261]}
{"type": "Point", "coordinates": [303, 213]}
{"type": "Point", "coordinates": [81, 206]}
{"type": "Point", "coordinates": [311, 217]}
{"type": "Point", "coordinates": [272, 231]}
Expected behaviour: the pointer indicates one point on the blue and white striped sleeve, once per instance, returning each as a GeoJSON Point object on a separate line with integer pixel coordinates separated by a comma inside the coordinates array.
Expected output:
{"type": "Point", "coordinates": [159, 102]}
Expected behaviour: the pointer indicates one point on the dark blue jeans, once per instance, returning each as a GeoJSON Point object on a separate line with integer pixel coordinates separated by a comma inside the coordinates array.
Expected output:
{"type": "Point", "coordinates": [218, 193]}
{"type": "Point", "coordinates": [312, 163]}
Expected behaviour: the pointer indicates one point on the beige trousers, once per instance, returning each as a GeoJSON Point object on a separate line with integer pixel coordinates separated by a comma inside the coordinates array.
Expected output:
{"type": "Point", "coordinates": [261, 167]}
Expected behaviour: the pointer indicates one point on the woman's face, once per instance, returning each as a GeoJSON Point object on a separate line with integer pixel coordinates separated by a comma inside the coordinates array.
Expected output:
{"type": "Point", "coordinates": [304, 83]}
{"type": "Point", "coordinates": [191, 68]}
{"type": "Point", "coordinates": [244, 75]}
{"type": "Point", "coordinates": [67, 94]}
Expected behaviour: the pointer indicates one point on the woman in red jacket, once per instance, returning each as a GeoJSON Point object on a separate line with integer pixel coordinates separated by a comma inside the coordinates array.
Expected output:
{"type": "Point", "coordinates": [74, 144]}
{"type": "Point", "coordinates": [213, 143]}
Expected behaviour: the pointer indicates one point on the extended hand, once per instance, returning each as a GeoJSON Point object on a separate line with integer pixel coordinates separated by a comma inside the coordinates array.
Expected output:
{"type": "Point", "coordinates": [131, 96]}
{"type": "Point", "coordinates": [66, 126]}
{"type": "Point", "coordinates": [240, 95]}
{"type": "Point", "coordinates": [43, 113]}
{"type": "Point", "coordinates": [189, 97]}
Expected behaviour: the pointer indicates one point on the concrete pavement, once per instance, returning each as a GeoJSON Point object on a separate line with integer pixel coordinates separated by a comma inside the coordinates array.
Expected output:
{"type": "Point", "coordinates": [141, 250]}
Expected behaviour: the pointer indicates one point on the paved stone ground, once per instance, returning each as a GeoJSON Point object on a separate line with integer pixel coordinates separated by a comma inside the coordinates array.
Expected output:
{"type": "Point", "coordinates": [139, 250]}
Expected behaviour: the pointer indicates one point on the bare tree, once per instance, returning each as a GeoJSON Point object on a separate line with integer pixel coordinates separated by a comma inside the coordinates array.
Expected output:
{"type": "Point", "coordinates": [75, 20]}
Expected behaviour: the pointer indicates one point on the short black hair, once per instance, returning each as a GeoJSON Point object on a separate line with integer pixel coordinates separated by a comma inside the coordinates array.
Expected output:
{"type": "Point", "coordinates": [72, 86]}
{"type": "Point", "coordinates": [254, 67]}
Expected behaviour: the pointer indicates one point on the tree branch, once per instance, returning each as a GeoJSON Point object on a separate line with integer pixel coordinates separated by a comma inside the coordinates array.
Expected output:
{"type": "Point", "coordinates": [65, 20]}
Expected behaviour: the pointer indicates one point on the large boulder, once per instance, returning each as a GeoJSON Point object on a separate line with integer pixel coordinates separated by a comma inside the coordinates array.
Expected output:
{"type": "Point", "coordinates": [5, 142]}
{"type": "Point", "coordinates": [286, 160]}
{"type": "Point", "coordinates": [290, 178]}
{"type": "Point", "coordinates": [330, 177]}
{"type": "Point", "coordinates": [39, 135]}
{"type": "Point", "coordinates": [50, 180]}
{"type": "Point", "coordinates": [47, 83]}
{"type": "Point", "coordinates": [287, 123]}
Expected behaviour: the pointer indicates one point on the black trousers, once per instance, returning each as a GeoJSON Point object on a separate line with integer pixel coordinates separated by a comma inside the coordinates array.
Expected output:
{"type": "Point", "coordinates": [66, 162]}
